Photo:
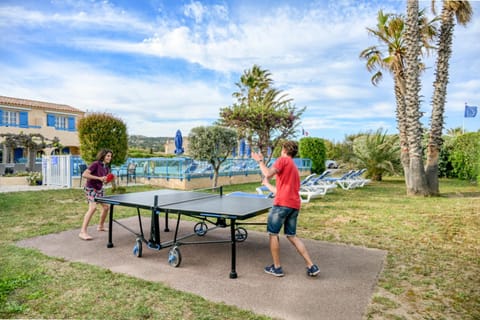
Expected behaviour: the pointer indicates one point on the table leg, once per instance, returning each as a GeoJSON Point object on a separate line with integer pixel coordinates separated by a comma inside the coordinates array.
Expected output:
{"type": "Point", "coordinates": [110, 227]}
{"type": "Point", "coordinates": [233, 272]}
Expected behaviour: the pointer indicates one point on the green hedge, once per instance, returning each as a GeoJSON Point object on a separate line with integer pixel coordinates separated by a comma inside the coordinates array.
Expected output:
{"type": "Point", "coordinates": [315, 150]}
{"type": "Point", "coordinates": [465, 156]}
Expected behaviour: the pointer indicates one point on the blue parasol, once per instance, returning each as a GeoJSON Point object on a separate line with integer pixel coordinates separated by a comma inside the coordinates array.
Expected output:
{"type": "Point", "coordinates": [178, 143]}
{"type": "Point", "coordinates": [249, 151]}
{"type": "Point", "coordinates": [241, 152]}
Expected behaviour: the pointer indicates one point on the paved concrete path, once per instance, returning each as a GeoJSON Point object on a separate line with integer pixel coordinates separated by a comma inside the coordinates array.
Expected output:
{"type": "Point", "coordinates": [342, 291]}
{"type": "Point", "coordinates": [16, 188]}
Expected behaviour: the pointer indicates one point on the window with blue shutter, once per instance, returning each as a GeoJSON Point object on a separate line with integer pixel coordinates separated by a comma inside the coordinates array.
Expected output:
{"type": "Point", "coordinates": [23, 119]}
{"type": "Point", "coordinates": [1, 117]}
{"type": "Point", "coordinates": [71, 124]}
{"type": "Point", "coordinates": [50, 120]}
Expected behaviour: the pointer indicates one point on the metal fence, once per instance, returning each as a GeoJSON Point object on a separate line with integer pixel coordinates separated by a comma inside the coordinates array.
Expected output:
{"type": "Point", "coordinates": [188, 168]}
{"type": "Point", "coordinates": [60, 170]}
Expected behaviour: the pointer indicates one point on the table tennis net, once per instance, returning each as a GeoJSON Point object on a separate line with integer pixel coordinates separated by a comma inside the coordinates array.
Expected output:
{"type": "Point", "coordinates": [190, 197]}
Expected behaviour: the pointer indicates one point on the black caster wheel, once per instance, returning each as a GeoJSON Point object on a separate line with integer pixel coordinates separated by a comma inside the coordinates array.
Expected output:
{"type": "Point", "coordinates": [241, 234]}
{"type": "Point", "coordinates": [200, 228]}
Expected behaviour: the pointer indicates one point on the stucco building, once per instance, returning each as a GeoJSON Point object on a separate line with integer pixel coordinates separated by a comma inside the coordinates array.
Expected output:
{"type": "Point", "coordinates": [48, 120]}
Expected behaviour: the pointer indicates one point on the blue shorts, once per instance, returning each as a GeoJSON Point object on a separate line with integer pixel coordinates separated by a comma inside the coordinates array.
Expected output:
{"type": "Point", "coordinates": [282, 216]}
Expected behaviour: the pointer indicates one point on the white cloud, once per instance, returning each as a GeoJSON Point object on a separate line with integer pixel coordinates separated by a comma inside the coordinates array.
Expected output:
{"type": "Point", "coordinates": [311, 49]}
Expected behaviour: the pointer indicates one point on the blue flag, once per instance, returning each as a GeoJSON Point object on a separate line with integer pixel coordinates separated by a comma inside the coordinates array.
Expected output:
{"type": "Point", "coordinates": [470, 111]}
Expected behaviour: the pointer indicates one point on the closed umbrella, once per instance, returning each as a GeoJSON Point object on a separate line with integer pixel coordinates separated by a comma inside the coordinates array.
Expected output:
{"type": "Point", "coordinates": [178, 143]}
{"type": "Point", "coordinates": [241, 152]}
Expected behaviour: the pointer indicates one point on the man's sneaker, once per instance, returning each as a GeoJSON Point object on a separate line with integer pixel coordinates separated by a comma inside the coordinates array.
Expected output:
{"type": "Point", "coordinates": [277, 272]}
{"type": "Point", "coordinates": [313, 270]}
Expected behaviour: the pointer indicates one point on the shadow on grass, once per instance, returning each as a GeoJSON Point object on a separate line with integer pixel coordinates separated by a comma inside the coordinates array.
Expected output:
{"type": "Point", "coordinates": [461, 195]}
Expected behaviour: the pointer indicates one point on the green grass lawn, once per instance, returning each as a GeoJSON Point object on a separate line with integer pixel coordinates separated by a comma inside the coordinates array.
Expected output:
{"type": "Point", "coordinates": [432, 269]}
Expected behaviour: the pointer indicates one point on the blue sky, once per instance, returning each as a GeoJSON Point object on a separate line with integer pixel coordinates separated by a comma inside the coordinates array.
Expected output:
{"type": "Point", "coordinates": [163, 65]}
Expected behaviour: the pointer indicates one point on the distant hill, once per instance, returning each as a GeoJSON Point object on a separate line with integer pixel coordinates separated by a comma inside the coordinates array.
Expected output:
{"type": "Point", "coordinates": [155, 144]}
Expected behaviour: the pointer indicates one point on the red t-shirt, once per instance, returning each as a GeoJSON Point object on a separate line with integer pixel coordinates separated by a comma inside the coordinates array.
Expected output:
{"type": "Point", "coordinates": [98, 169]}
{"type": "Point", "coordinates": [287, 183]}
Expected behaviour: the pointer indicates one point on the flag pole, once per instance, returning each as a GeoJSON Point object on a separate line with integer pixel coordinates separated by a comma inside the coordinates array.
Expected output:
{"type": "Point", "coordinates": [463, 121]}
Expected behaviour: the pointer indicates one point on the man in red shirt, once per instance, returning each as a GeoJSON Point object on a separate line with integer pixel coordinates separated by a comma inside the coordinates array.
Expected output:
{"type": "Point", "coordinates": [286, 206]}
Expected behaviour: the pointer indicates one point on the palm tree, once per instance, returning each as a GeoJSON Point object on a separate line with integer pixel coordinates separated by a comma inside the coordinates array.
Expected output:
{"type": "Point", "coordinates": [253, 85]}
{"type": "Point", "coordinates": [390, 32]}
{"type": "Point", "coordinates": [462, 11]}
{"type": "Point", "coordinates": [455, 132]}
{"type": "Point", "coordinates": [377, 152]}
{"type": "Point", "coordinates": [262, 112]}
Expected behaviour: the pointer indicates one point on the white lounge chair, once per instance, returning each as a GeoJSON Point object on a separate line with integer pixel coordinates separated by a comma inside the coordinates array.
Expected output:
{"type": "Point", "coordinates": [350, 180]}
{"type": "Point", "coordinates": [310, 188]}
{"type": "Point", "coordinates": [319, 180]}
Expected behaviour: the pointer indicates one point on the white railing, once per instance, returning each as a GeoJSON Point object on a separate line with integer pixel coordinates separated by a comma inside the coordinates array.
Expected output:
{"type": "Point", "coordinates": [56, 171]}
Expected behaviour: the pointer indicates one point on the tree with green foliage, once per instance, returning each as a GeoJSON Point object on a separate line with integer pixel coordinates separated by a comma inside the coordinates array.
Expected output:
{"type": "Point", "coordinates": [390, 55]}
{"type": "Point", "coordinates": [465, 156]}
{"type": "Point", "coordinates": [445, 168]}
{"type": "Point", "coordinates": [98, 131]}
{"type": "Point", "coordinates": [405, 38]}
{"type": "Point", "coordinates": [262, 114]}
{"type": "Point", "coordinates": [455, 132]}
{"type": "Point", "coordinates": [213, 144]}
{"type": "Point", "coordinates": [315, 150]}
{"type": "Point", "coordinates": [377, 152]}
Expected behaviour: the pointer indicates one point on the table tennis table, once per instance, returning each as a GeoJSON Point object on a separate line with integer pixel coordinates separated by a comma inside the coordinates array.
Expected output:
{"type": "Point", "coordinates": [209, 206]}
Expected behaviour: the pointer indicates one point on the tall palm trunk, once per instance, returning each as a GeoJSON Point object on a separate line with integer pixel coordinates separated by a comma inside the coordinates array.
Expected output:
{"type": "Point", "coordinates": [463, 11]}
{"type": "Point", "coordinates": [417, 181]}
{"type": "Point", "coordinates": [399, 81]}
{"type": "Point", "coordinates": [435, 141]}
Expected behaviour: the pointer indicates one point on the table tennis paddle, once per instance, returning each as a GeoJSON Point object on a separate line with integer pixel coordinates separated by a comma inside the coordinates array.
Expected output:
{"type": "Point", "coordinates": [110, 177]}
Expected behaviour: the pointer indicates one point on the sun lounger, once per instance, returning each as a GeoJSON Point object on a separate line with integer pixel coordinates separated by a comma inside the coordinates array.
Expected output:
{"type": "Point", "coordinates": [350, 180]}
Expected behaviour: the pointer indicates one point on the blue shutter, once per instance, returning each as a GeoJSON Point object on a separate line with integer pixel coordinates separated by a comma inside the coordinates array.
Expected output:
{"type": "Point", "coordinates": [1, 117]}
{"type": "Point", "coordinates": [71, 124]}
{"type": "Point", "coordinates": [23, 119]}
{"type": "Point", "coordinates": [50, 120]}
{"type": "Point", "coordinates": [17, 154]}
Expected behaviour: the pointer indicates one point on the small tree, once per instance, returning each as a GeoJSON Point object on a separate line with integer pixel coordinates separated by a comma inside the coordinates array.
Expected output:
{"type": "Point", "coordinates": [377, 152]}
{"type": "Point", "coordinates": [97, 131]}
{"type": "Point", "coordinates": [262, 113]}
{"type": "Point", "coordinates": [315, 150]}
{"type": "Point", "coordinates": [213, 144]}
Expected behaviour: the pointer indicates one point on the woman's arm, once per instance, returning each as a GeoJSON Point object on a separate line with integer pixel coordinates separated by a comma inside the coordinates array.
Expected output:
{"type": "Point", "coordinates": [87, 174]}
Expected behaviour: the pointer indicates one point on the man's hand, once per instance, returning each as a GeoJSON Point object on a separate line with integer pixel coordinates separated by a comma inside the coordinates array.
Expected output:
{"type": "Point", "coordinates": [257, 156]}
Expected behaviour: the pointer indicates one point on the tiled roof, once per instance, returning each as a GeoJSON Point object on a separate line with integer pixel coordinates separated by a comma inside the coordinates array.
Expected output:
{"type": "Point", "coordinates": [15, 102]}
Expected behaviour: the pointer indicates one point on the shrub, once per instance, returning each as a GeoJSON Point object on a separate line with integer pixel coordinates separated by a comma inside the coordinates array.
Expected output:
{"type": "Point", "coordinates": [315, 150]}
{"type": "Point", "coordinates": [465, 156]}
{"type": "Point", "coordinates": [34, 178]}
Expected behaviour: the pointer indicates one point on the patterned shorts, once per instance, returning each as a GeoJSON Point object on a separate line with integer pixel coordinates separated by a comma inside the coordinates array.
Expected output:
{"type": "Point", "coordinates": [92, 193]}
